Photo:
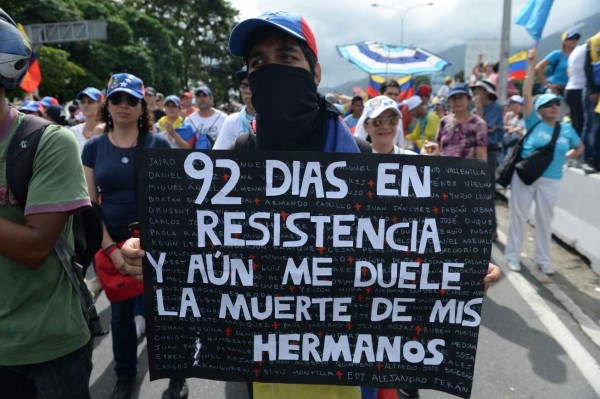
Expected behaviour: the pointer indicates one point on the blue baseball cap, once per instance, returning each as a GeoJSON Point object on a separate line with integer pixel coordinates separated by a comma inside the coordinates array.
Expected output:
{"type": "Point", "coordinates": [544, 99]}
{"type": "Point", "coordinates": [30, 106]}
{"type": "Point", "coordinates": [125, 82]}
{"type": "Point", "coordinates": [571, 34]}
{"type": "Point", "coordinates": [48, 101]}
{"type": "Point", "coordinates": [288, 22]}
{"type": "Point", "coordinates": [460, 88]}
{"type": "Point", "coordinates": [203, 89]}
{"type": "Point", "coordinates": [172, 98]}
{"type": "Point", "coordinates": [93, 93]}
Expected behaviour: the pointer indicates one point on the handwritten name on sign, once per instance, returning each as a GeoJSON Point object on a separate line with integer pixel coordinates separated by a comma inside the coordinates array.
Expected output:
{"type": "Point", "coordinates": [314, 268]}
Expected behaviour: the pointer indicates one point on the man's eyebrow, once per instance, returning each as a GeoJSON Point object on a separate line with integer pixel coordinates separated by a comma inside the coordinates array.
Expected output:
{"type": "Point", "coordinates": [281, 49]}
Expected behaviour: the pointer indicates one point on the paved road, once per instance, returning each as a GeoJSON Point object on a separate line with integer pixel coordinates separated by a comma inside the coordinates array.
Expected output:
{"type": "Point", "coordinates": [539, 337]}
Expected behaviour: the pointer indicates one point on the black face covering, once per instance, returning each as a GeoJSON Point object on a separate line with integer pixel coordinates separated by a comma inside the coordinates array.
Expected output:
{"type": "Point", "coordinates": [287, 109]}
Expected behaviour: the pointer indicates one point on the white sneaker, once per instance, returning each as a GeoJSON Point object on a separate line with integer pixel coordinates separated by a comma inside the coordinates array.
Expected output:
{"type": "Point", "coordinates": [140, 326]}
{"type": "Point", "coordinates": [546, 269]}
{"type": "Point", "coordinates": [514, 266]}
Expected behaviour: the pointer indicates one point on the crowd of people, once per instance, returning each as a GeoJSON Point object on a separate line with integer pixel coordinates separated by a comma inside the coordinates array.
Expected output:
{"type": "Point", "coordinates": [104, 127]}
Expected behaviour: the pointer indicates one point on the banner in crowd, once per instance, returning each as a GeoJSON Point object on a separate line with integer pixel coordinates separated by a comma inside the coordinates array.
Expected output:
{"type": "Point", "coordinates": [314, 268]}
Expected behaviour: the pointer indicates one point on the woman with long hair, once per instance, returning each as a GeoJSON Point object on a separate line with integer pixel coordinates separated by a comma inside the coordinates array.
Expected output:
{"type": "Point", "coordinates": [109, 166]}
{"type": "Point", "coordinates": [541, 118]}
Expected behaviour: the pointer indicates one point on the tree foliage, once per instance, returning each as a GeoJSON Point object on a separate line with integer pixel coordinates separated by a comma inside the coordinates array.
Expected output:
{"type": "Point", "coordinates": [202, 29]}
{"type": "Point", "coordinates": [171, 45]}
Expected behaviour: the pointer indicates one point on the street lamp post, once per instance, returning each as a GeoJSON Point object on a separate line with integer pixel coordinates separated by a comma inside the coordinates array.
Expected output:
{"type": "Point", "coordinates": [402, 14]}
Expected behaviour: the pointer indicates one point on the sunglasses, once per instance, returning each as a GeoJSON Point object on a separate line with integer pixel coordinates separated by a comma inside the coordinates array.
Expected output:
{"type": "Point", "coordinates": [551, 103]}
{"type": "Point", "coordinates": [378, 122]}
{"type": "Point", "coordinates": [131, 100]}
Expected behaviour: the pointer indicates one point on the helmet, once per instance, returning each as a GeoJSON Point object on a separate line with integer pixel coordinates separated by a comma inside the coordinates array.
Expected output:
{"type": "Point", "coordinates": [15, 52]}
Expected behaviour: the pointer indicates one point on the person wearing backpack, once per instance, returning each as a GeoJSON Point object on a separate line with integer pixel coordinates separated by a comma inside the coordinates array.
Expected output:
{"type": "Point", "coordinates": [541, 121]}
{"type": "Point", "coordinates": [46, 346]}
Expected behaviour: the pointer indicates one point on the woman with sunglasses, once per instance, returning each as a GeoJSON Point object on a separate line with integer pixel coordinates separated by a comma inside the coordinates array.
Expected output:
{"type": "Point", "coordinates": [109, 168]}
{"type": "Point", "coordinates": [541, 119]}
{"type": "Point", "coordinates": [380, 120]}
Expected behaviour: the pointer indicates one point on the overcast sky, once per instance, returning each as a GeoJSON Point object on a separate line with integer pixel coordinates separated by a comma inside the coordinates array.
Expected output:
{"type": "Point", "coordinates": [444, 24]}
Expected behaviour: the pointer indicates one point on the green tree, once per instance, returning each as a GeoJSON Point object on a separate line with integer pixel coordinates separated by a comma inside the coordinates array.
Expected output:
{"type": "Point", "coordinates": [202, 29]}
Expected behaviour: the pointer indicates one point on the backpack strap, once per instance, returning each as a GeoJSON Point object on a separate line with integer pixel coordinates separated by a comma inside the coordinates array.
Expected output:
{"type": "Point", "coordinates": [20, 155]}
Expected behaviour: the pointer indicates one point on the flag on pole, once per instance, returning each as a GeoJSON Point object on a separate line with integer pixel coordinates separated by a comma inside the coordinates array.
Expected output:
{"type": "Point", "coordinates": [33, 78]}
{"type": "Point", "coordinates": [517, 65]}
{"type": "Point", "coordinates": [407, 87]}
{"type": "Point", "coordinates": [533, 17]}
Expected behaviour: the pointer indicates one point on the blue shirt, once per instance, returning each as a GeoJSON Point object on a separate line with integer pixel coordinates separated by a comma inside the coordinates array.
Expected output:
{"type": "Point", "coordinates": [494, 116]}
{"type": "Point", "coordinates": [542, 135]}
{"type": "Point", "coordinates": [116, 181]}
{"type": "Point", "coordinates": [351, 120]}
{"type": "Point", "coordinates": [557, 67]}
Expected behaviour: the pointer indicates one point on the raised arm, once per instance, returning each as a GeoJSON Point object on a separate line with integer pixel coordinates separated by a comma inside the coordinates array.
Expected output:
{"type": "Point", "coordinates": [528, 84]}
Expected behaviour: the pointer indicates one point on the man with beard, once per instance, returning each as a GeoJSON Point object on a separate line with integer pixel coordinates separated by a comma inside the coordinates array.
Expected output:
{"type": "Point", "coordinates": [207, 121]}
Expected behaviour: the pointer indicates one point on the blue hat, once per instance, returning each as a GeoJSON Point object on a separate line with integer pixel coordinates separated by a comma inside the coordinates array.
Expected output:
{"type": "Point", "coordinates": [172, 98]}
{"type": "Point", "coordinates": [30, 106]}
{"type": "Point", "coordinates": [544, 99]}
{"type": "Point", "coordinates": [288, 22]}
{"type": "Point", "coordinates": [48, 101]}
{"type": "Point", "coordinates": [126, 83]}
{"type": "Point", "coordinates": [460, 88]}
{"type": "Point", "coordinates": [571, 34]}
{"type": "Point", "coordinates": [91, 92]}
{"type": "Point", "coordinates": [204, 89]}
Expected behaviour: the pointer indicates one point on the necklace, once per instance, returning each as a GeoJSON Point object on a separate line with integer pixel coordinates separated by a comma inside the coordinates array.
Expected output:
{"type": "Point", "coordinates": [124, 157]}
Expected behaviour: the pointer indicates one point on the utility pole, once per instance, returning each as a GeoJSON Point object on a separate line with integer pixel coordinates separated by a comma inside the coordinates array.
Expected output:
{"type": "Point", "coordinates": [504, 53]}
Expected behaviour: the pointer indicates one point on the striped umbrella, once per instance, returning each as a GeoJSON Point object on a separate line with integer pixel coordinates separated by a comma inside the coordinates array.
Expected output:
{"type": "Point", "coordinates": [383, 59]}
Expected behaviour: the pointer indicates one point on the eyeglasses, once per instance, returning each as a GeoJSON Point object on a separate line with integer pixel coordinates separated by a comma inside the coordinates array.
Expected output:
{"type": "Point", "coordinates": [378, 122]}
{"type": "Point", "coordinates": [551, 103]}
{"type": "Point", "coordinates": [131, 100]}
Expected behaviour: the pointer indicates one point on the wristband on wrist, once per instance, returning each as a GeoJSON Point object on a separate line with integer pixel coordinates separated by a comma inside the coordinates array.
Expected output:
{"type": "Point", "coordinates": [110, 248]}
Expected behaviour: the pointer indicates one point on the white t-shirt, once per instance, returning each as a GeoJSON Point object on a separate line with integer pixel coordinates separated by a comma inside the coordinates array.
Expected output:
{"type": "Point", "coordinates": [575, 69]}
{"type": "Point", "coordinates": [443, 91]}
{"type": "Point", "coordinates": [78, 132]}
{"type": "Point", "coordinates": [230, 131]}
{"type": "Point", "coordinates": [207, 125]}
{"type": "Point", "coordinates": [399, 151]}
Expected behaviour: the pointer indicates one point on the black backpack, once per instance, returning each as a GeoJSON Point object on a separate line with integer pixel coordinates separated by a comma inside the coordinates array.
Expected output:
{"type": "Point", "coordinates": [87, 225]}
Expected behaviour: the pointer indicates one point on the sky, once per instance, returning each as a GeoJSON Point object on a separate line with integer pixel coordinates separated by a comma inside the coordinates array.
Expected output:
{"type": "Point", "coordinates": [442, 25]}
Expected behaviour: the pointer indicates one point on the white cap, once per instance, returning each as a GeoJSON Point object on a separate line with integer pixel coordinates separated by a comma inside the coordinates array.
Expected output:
{"type": "Point", "coordinates": [413, 102]}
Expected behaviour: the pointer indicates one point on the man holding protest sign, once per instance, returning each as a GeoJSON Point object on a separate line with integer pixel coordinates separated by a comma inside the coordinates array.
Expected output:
{"type": "Point", "coordinates": [281, 52]}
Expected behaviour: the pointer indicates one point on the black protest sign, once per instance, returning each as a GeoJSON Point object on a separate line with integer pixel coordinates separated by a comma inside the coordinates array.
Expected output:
{"type": "Point", "coordinates": [314, 268]}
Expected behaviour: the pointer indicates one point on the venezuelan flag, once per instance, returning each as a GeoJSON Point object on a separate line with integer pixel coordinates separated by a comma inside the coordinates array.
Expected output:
{"type": "Point", "coordinates": [407, 87]}
{"type": "Point", "coordinates": [517, 65]}
{"type": "Point", "coordinates": [33, 78]}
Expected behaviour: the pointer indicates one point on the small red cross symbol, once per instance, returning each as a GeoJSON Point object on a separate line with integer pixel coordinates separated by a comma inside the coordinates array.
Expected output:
{"type": "Point", "coordinates": [349, 326]}
{"type": "Point", "coordinates": [255, 266]}
{"type": "Point", "coordinates": [418, 329]}
{"type": "Point", "coordinates": [228, 331]}
{"type": "Point", "coordinates": [350, 259]}
{"type": "Point", "coordinates": [256, 372]}
{"type": "Point", "coordinates": [256, 200]}
{"type": "Point", "coordinates": [443, 292]}
{"type": "Point", "coordinates": [395, 219]}
{"type": "Point", "coordinates": [445, 196]}
{"type": "Point", "coordinates": [225, 176]}
{"type": "Point", "coordinates": [360, 297]}
{"type": "Point", "coordinates": [291, 288]}
{"type": "Point", "coordinates": [321, 250]}
{"type": "Point", "coordinates": [371, 183]}
{"type": "Point", "coordinates": [435, 210]}
{"type": "Point", "coordinates": [370, 194]}
{"type": "Point", "coordinates": [339, 375]}
{"type": "Point", "coordinates": [275, 325]}
{"type": "Point", "coordinates": [419, 259]}
{"type": "Point", "coordinates": [379, 366]}
{"type": "Point", "coordinates": [357, 206]}
{"type": "Point", "coordinates": [368, 290]}
{"type": "Point", "coordinates": [284, 215]}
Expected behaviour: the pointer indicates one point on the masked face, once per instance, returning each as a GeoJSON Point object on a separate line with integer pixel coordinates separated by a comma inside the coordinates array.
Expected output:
{"type": "Point", "coordinates": [287, 108]}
